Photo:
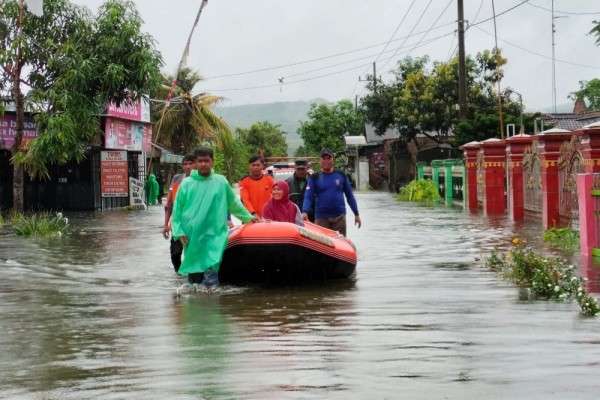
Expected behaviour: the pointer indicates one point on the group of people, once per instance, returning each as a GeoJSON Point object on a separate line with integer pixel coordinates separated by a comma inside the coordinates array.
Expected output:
{"type": "Point", "coordinates": [200, 204]}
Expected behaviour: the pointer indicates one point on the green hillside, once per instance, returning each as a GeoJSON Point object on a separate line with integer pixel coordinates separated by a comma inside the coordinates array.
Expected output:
{"type": "Point", "coordinates": [287, 114]}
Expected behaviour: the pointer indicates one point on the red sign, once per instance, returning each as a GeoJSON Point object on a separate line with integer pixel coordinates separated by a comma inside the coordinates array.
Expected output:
{"type": "Point", "coordinates": [114, 175]}
{"type": "Point", "coordinates": [134, 111]}
{"type": "Point", "coordinates": [8, 131]}
{"type": "Point", "coordinates": [127, 135]}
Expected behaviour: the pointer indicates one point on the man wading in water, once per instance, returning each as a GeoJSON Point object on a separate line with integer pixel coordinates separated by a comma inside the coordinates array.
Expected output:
{"type": "Point", "coordinates": [200, 220]}
{"type": "Point", "coordinates": [297, 184]}
{"type": "Point", "coordinates": [325, 192]}
{"type": "Point", "coordinates": [189, 162]}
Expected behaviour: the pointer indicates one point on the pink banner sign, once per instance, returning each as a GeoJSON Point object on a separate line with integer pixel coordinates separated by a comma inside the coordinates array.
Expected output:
{"type": "Point", "coordinates": [133, 111]}
{"type": "Point", "coordinates": [8, 131]}
{"type": "Point", "coordinates": [127, 135]}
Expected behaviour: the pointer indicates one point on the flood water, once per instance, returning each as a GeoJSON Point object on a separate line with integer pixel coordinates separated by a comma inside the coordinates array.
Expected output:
{"type": "Point", "coordinates": [93, 315]}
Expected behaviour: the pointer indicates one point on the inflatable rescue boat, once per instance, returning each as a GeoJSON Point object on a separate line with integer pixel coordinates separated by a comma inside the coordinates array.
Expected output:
{"type": "Point", "coordinates": [270, 252]}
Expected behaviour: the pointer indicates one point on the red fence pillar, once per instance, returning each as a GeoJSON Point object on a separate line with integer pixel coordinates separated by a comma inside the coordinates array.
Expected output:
{"type": "Point", "coordinates": [590, 148]}
{"type": "Point", "coordinates": [470, 151]}
{"type": "Point", "coordinates": [494, 164]}
{"type": "Point", "coordinates": [515, 148]}
{"type": "Point", "coordinates": [549, 149]}
{"type": "Point", "coordinates": [587, 220]}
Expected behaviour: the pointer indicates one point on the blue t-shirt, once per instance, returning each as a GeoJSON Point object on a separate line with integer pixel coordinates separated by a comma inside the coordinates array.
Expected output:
{"type": "Point", "coordinates": [326, 192]}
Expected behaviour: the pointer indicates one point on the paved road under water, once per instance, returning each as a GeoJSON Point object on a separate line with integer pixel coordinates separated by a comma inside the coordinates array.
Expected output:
{"type": "Point", "coordinates": [93, 315]}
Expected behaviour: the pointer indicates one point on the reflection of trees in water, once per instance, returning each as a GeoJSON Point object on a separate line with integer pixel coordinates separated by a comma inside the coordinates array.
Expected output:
{"type": "Point", "coordinates": [53, 340]}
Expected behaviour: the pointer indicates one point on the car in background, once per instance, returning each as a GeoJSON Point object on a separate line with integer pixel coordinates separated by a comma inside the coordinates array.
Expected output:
{"type": "Point", "coordinates": [280, 171]}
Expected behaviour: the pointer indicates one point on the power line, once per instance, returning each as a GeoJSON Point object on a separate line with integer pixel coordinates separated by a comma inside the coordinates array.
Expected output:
{"type": "Point", "coordinates": [433, 24]}
{"type": "Point", "coordinates": [311, 60]}
{"type": "Point", "coordinates": [412, 3]}
{"type": "Point", "coordinates": [539, 54]}
{"type": "Point", "coordinates": [499, 14]}
{"type": "Point", "coordinates": [413, 28]}
{"type": "Point", "coordinates": [565, 12]}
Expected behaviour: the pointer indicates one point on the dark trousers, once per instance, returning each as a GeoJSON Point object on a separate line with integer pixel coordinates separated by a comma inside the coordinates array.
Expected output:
{"type": "Point", "coordinates": [335, 223]}
{"type": "Point", "coordinates": [176, 252]}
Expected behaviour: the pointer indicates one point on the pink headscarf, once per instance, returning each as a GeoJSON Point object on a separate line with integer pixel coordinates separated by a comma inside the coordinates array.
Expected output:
{"type": "Point", "coordinates": [281, 210]}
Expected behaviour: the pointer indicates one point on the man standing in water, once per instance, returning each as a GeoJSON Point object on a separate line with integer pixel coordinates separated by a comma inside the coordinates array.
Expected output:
{"type": "Point", "coordinates": [200, 219]}
{"type": "Point", "coordinates": [297, 184]}
{"type": "Point", "coordinates": [255, 189]}
{"type": "Point", "coordinates": [176, 246]}
{"type": "Point", "coordinates": [325, 191]}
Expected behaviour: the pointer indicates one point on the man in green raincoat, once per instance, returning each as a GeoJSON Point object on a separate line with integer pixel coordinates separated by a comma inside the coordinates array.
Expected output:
{"type": "Point", "coordinates": [199, 219]}
{"type": "Point", "coordinates": [152, 189]}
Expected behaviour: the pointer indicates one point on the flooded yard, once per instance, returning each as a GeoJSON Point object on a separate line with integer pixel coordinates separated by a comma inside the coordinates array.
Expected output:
{"type": "Point", "coordinates": [93, 315]}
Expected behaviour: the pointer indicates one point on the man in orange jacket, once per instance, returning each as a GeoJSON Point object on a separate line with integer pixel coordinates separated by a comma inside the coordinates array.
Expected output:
{"type": "Point", "coordinates": [255, 189]}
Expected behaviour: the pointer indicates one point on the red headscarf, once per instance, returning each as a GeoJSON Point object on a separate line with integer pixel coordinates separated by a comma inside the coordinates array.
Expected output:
{"type": "Point", "coordinates": [281, 210]}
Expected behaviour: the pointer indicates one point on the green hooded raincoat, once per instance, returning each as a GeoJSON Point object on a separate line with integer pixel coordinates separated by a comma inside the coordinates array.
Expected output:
{"type": "Point", "coordinates": [152, 190]}
{"type": "Point", "coordinates": [200, 213]}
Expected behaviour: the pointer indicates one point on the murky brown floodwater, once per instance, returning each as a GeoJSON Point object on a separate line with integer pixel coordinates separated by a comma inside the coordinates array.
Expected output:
{"type": "Point", "coordinates": [93, 316]}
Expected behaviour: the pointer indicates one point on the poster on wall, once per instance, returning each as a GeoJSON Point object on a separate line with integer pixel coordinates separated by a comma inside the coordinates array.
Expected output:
{"type": "Point", "coordinates": [133, 111]}
{"type": "Point", "coordinates": [127, 135]}
{"type": "Point", "coordinates": [114, 176]}
{"type": "Point", "coordinates": [8, 131]}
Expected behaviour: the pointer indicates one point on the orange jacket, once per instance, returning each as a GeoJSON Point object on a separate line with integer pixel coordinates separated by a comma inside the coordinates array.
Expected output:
{"type": "Point", "coordinates": [255, 193]}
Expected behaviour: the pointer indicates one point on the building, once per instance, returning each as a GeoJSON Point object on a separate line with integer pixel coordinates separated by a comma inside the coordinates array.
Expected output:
{"type": "Point", "coordinates": [577, 119]}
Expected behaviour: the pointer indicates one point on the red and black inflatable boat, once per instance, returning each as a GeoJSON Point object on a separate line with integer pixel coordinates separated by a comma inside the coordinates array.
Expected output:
{"type": "Point", "coordinates": [275, 252]}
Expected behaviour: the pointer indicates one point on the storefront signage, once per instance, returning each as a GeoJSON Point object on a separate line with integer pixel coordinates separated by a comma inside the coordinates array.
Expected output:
{"type": "Point", "coordinates": [133, 111]}
{"type": "Point", "coordinates": [114, 176]}
{"type": "Point", "coordinates": [8, 131]}
{"type": "Point", "coordinates": [127, 135]}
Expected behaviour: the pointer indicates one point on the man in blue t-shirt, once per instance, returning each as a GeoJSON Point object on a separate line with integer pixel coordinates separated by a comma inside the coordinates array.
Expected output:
{"type": "Point", "coordinates": [325, 194]}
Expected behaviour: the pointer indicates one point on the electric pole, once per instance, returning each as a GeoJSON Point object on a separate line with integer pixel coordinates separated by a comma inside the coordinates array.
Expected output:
{"type": "Point", "coordinates": [462, 78]}
{"type": "Point", "coordinates": [497, 56]}
{"type": "Point", "coordinates": [553, 61]}
{"type": "Point", "coordinates": [374, 76]}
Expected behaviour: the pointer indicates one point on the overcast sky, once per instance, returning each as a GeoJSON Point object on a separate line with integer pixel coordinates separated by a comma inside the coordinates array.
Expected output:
{"type": "Point", "coordinates": [241, 35]}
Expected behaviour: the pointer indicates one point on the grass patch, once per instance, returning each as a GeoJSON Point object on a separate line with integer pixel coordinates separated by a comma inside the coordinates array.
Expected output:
{"type": "Point", "coordinates": [546, 278]}
{"type": "Point", "coordinates": [40, 224]}
{"type": "Point", "coordinates": [421, 191]}
{"type": "Point", "coordinates": [564, 239]}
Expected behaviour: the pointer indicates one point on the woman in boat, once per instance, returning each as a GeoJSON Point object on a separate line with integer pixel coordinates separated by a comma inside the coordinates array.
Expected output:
{"type": "Point", "coordinates": [280, 208]}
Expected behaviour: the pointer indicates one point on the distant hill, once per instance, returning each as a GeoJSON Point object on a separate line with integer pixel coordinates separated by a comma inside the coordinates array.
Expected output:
{"type": "Point", "coordinates": [287, 114]}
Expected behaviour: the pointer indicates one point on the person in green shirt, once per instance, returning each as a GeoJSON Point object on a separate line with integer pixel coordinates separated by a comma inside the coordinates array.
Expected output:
{"type": "Point", "coordinates": [152, 190]}
{"type": "Point", "coordinates": [199, 219]}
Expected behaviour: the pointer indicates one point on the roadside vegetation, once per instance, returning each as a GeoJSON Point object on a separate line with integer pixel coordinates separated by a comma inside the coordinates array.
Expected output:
{"type": "Point", "coordinates": [563, 239]}
{"type": "Point", "coordinates": [39, 224]}
{"type": "Point", "coordinates": [420, 191]}
{"type": "Point", "coordinates": [545, 278]}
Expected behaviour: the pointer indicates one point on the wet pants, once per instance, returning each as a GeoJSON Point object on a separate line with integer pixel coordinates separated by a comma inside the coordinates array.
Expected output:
{"type": "Point", "coordinates": [334, 223]}
{"type": "Point", "coordinates": [176, 252]}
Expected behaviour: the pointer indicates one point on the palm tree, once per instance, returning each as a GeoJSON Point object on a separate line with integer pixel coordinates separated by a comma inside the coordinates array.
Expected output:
{"type": "Point", "coordinates": [188, 120]}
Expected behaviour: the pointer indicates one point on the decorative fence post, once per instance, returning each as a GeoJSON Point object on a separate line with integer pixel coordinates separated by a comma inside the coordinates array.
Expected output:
{"type": "Point", "coordinates": [494, 164]}
{"type": "Point", "coordinates": [549, 143]}
{"type": "Point", "coordinates": [588, 230]}
{"type": "Point", "coordinates": [448, 182]}
{"type": "Point", "coordinates": [590, 147]}
{"type": "Point", "coordinates": [435, 173]}
{"type": "Point", "coordinates": [420, 170]}
{"type": "Point", "coordinates": [515, 148]}
{"type": "Point", "coordinates": [470, 151]}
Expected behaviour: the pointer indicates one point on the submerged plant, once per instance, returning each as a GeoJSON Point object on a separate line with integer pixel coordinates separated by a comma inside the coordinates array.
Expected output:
{"type": "Point", "coordinates": [422, 191]}
{"type": "Point", "coordinates": [564, 239]}
{"type": "Point", "coordinates": [547, 278]}
{"type": "Point", "coordinates": [41, 224]}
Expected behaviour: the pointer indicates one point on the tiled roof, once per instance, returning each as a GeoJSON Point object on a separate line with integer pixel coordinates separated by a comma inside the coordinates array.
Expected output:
{"type": "Point", "coordinates": [571, 121]}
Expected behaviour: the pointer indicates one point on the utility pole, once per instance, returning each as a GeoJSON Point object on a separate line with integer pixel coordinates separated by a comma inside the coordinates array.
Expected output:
{"type": "Point", "coordinates": [497, 55]}
{"type": "Point", "coordinates": [17, 97]}
{"type": "Point", "coordinates": [462, 75]}
{"type": "Point", "coordinates": [374, 76]}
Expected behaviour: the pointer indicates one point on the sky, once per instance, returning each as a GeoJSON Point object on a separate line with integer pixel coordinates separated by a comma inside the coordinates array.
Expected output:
{"type": "Point", "coordinates": [236, 36]}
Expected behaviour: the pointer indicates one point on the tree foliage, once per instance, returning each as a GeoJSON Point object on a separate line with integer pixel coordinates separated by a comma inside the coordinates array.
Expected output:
{"type": "Point", "coordinates": [327, 125]}
{"type": "Point", "coordinates": [422, 99]}
{"type": "Point", "coordinates": [73, 64]}
{"type": "Point", "coordinates": [589, 91]}
{"type": "Point", "coordinates": [264, 138]}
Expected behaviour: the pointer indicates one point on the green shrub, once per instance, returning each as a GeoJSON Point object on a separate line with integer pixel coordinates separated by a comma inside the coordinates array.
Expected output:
{"type": "Point", "coordinates": [422, 191]}
{"type": "Point", "coordinates": [42, 224]}
{"type": "Point", "coordinates": [547, 278]}
{"type": "Point", "coordinates": [564, 239]}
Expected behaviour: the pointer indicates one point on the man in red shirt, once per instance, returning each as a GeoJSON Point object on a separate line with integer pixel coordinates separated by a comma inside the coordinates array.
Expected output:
{"type": "Point", "coordinates": [189, 163]}
{"type": "Point", "coordinates": [255, 189]}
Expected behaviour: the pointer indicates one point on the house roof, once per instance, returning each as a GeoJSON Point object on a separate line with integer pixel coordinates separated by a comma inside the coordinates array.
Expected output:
{"type": "Point", "coordinates": [356, 141]}
{"type": "Point", "coordinates": [374, 138]}
{"type": "Point", "coordinates": [571, 121]}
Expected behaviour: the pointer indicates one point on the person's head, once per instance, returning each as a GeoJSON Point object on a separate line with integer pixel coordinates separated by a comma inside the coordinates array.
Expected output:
{"type": "Point", "coordinates": [256, 166]}
{"type": "Point", "coordinates": [327, 160]}
{"type": "Point", "coordinates": [281, 191]}
{"type": "Point", "coordinates": [301, 169]}
{"type": "Point", "coordinates": [204, 160]}
{"type": "Point", "coordinates": [189, 162]}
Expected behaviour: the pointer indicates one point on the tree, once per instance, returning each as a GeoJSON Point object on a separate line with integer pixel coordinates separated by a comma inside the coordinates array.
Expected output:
{"type": "Point", "coordinates": [264, 138]}
{"type": "Point", "coordinates": [328, 124]}
{"type": "Point", "coordinates": [589, 91]}
{"type": "Point", "coordinates": [70, 64]}
{"type": "Point", "coordinates": [596, 31]}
